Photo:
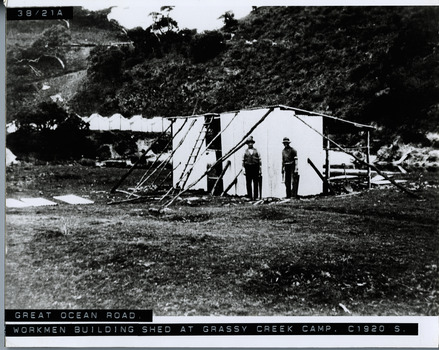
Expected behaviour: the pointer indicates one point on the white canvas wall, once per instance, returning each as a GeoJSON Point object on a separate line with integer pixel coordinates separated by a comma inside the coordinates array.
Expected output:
{"type": "Point", "coordinates": [119, 122]}
{"type": "Point", "coordinates": [145, 126]}
{"type": "Point", "coordinates": [182, 154]}
{"type": "Point", "coordinates": [114, 122]}
{"type": "Point", "coordinates": [268, 136]}
{"type": "Point", "coordinates": [157, 124]}
{"type": "Point", "coordinates": [104, 123]}
{"type": "Point", "coordinates": [240, 125]}
{"type": "Point", "coordinates": [136, 123]}
{"type": "Point", "coordinates": [125, 124]}
{"type": "Point", "coordinates": [93, 121]}
{"type": "Point", "coordinates": [165, 124]}
{"type": "Point", "coordinates": [97, 122]}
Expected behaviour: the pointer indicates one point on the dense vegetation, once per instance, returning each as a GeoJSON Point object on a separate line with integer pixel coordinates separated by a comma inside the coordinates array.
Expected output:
{"type": "Point", "coordinates": [374, 64]}
{"type": "Point", "coordinates": [368, 64]}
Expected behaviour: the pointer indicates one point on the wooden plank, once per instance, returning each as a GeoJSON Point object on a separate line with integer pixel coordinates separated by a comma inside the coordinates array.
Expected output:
{"type": "Point", "coordinates": [359, 172]}
{"type": "Point", "coordinates": [343, 177]}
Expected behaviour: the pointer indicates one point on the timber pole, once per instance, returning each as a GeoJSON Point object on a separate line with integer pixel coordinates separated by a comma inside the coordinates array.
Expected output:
{"type": "Point", "coordinates": [168, 176]}
{"type": "Point", "coordinates": [327, 165]}
{"type": "Point", "coordinates": [325, 181]}
{"type": "Point", "coordinates": [362, 161]}
{"type": "Point", "coordinates": [168, 159]}
{"type": "Point", "coordinates": [237, 147]}
{"type": "Point", "coordinates": [235, 180]}
{"type": "Point", "coordinates": [161, 153]}
{"type": "Point", "coordinates": [141, 158]}
{"type": "Point", "coordinates": [228, 163]}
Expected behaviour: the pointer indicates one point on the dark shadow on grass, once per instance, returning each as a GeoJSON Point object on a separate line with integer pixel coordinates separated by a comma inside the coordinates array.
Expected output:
{"type": "Point", "coordinates": [188, 217]}
{"type": "Point", "coordinates": [274, 213]}
{"type": "Point", "coordinates": [333, 279]}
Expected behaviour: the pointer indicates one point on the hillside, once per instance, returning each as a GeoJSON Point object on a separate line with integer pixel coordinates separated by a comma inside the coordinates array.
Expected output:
{"type": "Point", "coordinates": [374, 64]}
{"type": "Point", "coordinates": [368, 64]}
{"type": "Point", "coordinates": [49, 58]}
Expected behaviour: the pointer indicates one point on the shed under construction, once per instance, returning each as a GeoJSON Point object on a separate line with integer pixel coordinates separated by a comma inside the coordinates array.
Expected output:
{"type": "Point", "coordinates": [214, 141]}
{"type": "Point", "coordinates": [207, 152]}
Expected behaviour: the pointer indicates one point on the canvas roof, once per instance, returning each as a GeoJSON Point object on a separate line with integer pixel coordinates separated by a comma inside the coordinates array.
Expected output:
{"type": "Point", "coordinates": [297, 110]}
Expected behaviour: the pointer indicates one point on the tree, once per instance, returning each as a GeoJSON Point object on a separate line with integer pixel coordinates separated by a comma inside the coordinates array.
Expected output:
{"type": "Point", "coordinates": [47, 132]}
{"type": "Point", "coordinates": [207, 46]}
{"type": "Point", "coordinates": [229, 20]}
{"type": "Point", "coordinates": [45, 116]}
{"type": "Point", "coordinates": [106, 63]}
{"type": "Point", "coordinates": [52, 42]}
{"type": "Point", "coordinates": [145, 42]}
{"type": "Point", "coordinates": [163, 23]}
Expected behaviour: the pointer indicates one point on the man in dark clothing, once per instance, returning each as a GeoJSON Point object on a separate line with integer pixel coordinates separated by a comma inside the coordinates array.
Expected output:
{"type": "Point", "coordinates": [289, 167]}
{"type": "Point", "coordinates": [251, 163]}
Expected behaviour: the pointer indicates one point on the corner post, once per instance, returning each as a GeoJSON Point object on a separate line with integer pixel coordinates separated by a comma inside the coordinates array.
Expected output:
{"type": "Point", "coordinates": [327, 173]}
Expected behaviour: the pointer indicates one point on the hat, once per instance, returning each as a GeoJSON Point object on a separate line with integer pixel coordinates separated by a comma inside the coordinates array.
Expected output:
{"type": "Point", "coordinates": [250, 140]}
{"type": "Point", "coordinates": [286, 140]}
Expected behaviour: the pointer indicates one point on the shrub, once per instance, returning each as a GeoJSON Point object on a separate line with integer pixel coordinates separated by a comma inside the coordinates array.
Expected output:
{"type": "Point", "coordinates": [48, 133]}
{"type": "Point", "coordinates": [206, 46]}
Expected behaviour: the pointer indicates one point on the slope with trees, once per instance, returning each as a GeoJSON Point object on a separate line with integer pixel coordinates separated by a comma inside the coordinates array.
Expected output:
{"type": "Point", "coordinates": [368, 64]}
{"type": "Point", "coordinates": [39, 51]}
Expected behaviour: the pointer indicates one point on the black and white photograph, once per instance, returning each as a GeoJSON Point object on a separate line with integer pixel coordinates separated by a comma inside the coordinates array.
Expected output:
{"type": "Point", "coordinates": [230, 167]}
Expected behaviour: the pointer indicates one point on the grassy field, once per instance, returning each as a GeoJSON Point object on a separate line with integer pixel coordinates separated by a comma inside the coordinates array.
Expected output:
{"type": "Point", "coordinates": [375, 252]}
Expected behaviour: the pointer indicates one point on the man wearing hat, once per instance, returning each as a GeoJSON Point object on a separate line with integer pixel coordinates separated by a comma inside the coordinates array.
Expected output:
{"type": "Point", "coordinates": [251, 163]}
{"type": "Point", "coordinates": [289, 167]}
